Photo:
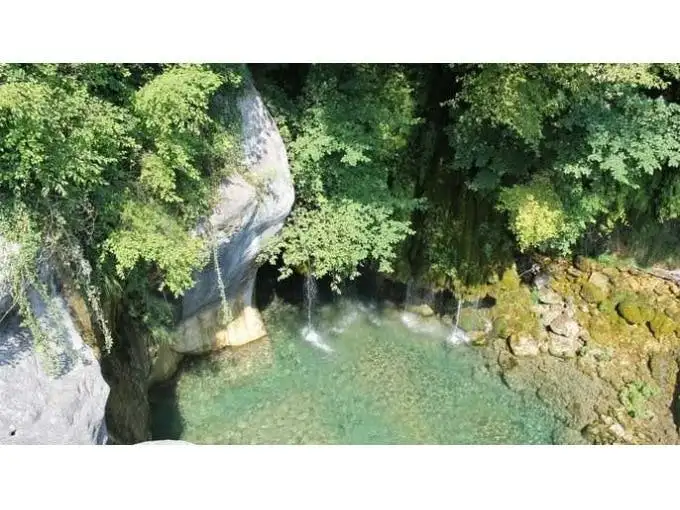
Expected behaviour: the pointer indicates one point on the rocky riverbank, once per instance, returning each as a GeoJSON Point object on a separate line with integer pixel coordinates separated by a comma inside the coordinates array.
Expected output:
{"type": "Point", "coordinates": [599, 343]}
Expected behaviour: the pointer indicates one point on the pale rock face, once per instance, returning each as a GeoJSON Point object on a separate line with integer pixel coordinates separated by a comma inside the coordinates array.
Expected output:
{"type": "Point", "coordinates": [165, 363]}
{"type": "Point", "coordinates": [562, 346]}
{"type": "Point", "coordinates": [600, 281]}
{"type": "Point", "coordinates": [564, 325]}
{"type": "Point", "coordinates": [523, 345]}
{"type": "Point", "coordinates": [251, 210]}
{"type": "Point", "coordinates": [549, 297]}
{"type": "Point", "coordinates": [55, 398]}
{"type": "Point", "coordinates": [549, 313]}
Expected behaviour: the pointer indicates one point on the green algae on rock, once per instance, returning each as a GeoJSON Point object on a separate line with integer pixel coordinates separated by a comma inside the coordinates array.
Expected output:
{"type": "Point", "coordinates": [591, 293]}
{"type": "Point", "coordinates": [662, 326]}
{"type": "Point", "coordinates": [632, 312]}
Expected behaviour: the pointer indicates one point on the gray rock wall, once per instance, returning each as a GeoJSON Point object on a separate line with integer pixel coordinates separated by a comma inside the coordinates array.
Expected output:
{"type": "Point", "coordinates": [251, 209]}
{"type": "Point", "coordinates": [53, 396]}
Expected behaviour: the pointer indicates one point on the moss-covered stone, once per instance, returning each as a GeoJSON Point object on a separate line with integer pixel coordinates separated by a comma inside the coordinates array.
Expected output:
{"type": "Point", "coordinates": [583, 264]}
{"type": "Point", "coordinates": [591, 293]}
{"type": "Point", "coordinates": [523, 345]}
{"type": "Point", "coordinates": [472, 320]}
{"type": "Point", "coordinates": [501, 327]}
{"type": "Point", "coordinates": [607, 307]}
{"type": "Point", "coordinates": [549, 297]}
{"type": "Point", "coordinates": [631, 311]}
{"type": "Point", "coordinates": [422, 310]}
{"type": "Point", "coordinates": [510, 279]}
{"type": "Point", "coordinates": [648, 312]}
{"type": "Point", "coordinates": [662, 326]}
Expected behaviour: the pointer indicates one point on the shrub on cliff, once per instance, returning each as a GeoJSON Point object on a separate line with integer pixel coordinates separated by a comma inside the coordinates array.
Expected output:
{"type": "Point", "coordinates": [105, 168]}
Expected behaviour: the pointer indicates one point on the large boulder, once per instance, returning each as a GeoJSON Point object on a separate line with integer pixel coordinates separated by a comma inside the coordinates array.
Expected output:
{"type": "Point", "coordinates": [563, 325]}
{"type": "Point", "coordinates": [51, 393]}
{"type": "Point", "coordinates": [563, 346]}
{"type": "Point", "coordinates": [252, 208]}
{"type": "Point", "coordinates": [591, 293]}
{"type": "Point", "coordinates": [548, 296]}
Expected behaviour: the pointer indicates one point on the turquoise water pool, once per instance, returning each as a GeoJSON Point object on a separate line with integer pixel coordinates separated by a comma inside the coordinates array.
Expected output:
{"type": "Point", "coordinates": [368, 377]}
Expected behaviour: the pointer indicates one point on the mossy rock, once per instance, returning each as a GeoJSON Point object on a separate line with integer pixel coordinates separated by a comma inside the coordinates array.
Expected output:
{"type": "Point", "coordinates": [648, 312]}
{"type": "Point", "coordinates": [422, 310]}
{"type": "Point", "coordinates": [501, 327]}
{"type": "Point", "coordinates": [492, 279]}
{"type": "Point", "coordinates": [607, 307]}
{"type": "Point", "coordinates": [472, 320]}
{"type": "Point", "coordinates": [584, 264]}
{"type": "Point", "coordinates": [673, 313]}
{"type": "Point", "coordinates": [591, 293]}
{"type": "Point", "coordinates": [632, 312]}
{"type": "Point", "coordinates": [662, 326]}
{"type": "Point", "coordinates": [510, 279]}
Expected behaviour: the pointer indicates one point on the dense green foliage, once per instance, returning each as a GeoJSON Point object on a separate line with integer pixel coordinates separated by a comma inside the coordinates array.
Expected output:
{"type": "Point", "coordinates": [443, 173]}
{"type": "Point", "coordinates": [478, 162]}
{"type": "Point", "coordinates": [599, 137]}
{"type": "Point", "coordinates": [347, 136]}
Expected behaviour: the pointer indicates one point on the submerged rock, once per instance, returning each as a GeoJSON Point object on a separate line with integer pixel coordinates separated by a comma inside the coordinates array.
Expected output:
{"type": "Point", "coordinates": [523, 345]}
{"type": "Point", "coordinates": [569, 436]}
{"type": "Point", "coordinates": [423, 310]}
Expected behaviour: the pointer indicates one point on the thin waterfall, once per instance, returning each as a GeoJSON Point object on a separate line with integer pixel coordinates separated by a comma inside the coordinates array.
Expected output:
{"type": "Point", "coordinates": [308, 332]}
{"type": "Point", "coordinates": [310, 293]}
{"type": "Point", "coordinates": [460, 303]}
{"type": "Point", "coordinates": [457, 335]}
{"type": "Point", "coordinates": [408, 300]}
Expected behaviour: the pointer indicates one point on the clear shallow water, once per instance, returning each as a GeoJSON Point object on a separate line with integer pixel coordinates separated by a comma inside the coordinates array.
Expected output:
{"type": "Point", "coordinates": [385, 381]}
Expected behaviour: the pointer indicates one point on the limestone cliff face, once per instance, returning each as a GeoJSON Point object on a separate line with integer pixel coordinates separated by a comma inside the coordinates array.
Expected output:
{"type": "Point", "coordinates": [53, 398]}
{"type": "Point", "coordinates": [253, 206]}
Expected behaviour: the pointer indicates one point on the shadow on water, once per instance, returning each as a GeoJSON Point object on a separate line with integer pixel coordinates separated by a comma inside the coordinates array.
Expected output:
{"type": "Point", "coordinates": [369, 287]}
{"type": "Point", "coordinates": [290, 290]}
{"type": "Point", "coordinates": [166, 419]}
